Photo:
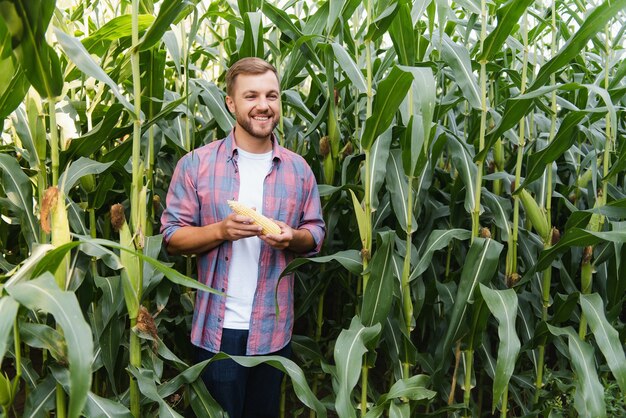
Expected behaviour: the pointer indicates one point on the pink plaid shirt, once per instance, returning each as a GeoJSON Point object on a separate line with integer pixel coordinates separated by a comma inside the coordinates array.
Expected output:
{"type": "Point", "coordinates": [202, 182]}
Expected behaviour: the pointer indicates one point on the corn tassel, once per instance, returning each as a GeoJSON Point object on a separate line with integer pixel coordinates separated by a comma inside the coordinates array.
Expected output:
{"type": "Point", "coordinates": [269, 227]}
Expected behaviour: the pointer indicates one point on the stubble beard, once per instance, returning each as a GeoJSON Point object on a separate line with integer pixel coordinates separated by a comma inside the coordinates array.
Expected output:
{"type": "Point", "coordinates": [246, 124]}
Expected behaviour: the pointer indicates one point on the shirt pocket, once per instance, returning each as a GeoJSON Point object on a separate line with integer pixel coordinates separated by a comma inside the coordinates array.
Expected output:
{"type": "Point", "coordinates": [289, 206]}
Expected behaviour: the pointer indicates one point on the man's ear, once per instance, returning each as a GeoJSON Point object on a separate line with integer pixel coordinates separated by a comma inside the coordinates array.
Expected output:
{"type": "Point", "coordinates": [230, 104]}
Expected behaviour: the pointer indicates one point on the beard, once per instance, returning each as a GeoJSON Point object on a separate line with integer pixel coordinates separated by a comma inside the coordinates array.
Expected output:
{"type": "Point", "coordinates": [247, 124]}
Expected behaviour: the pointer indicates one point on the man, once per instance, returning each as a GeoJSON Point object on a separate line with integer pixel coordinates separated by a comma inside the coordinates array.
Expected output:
{"type": "Point", "coordinates": [233, 256]}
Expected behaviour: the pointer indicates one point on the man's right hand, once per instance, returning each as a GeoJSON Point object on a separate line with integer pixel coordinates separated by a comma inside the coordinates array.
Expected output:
{"type": "Point", "coordinates": [200, 239]}
{"type": "Point", "coordinates": [235, 227]}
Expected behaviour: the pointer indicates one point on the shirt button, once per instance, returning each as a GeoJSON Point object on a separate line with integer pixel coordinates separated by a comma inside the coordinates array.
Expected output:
{"type": "Point", "coordinates": [226, 258]}
{"type": "Point", "coordinates": [223, 290]}
{"type": "Point", "coordinates": [219, 319]}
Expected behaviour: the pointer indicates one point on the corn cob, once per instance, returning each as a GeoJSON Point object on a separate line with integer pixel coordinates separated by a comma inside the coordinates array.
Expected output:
{"type": "Point", "coordinates": [536, 215]}
{"type": "Point", "coordinates": [268, 226]}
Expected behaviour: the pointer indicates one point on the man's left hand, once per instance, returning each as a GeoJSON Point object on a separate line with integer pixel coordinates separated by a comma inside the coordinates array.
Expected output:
{"type": "Point", "coordinates": [279, 242]}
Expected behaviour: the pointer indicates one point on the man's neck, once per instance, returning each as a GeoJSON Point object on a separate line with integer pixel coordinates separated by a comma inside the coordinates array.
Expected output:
{"type": "Point", "coordinates": [252, 144]}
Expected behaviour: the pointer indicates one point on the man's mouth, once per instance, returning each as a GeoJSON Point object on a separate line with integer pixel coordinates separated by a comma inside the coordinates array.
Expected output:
{"type": "Point", "coordinates": [261, 118]}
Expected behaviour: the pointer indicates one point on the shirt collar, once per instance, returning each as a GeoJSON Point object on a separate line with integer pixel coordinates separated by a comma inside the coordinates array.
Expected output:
{"type": "Point", "coordinates": [231, 146]}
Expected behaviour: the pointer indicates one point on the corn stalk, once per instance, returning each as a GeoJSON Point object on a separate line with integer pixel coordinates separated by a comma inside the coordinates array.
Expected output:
{"type": "Point", "coordinates": [546, 283]}
{"type": "Point", "coordinates": [138, 220]}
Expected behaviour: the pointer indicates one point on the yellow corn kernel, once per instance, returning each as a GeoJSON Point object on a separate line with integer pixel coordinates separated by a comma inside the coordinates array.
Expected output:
{"type": "Point", "coordinates": [268, 226]}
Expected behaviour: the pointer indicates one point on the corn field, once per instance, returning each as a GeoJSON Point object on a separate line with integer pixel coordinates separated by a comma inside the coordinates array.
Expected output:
{"type": "Point", "coordinates": [470, 155]}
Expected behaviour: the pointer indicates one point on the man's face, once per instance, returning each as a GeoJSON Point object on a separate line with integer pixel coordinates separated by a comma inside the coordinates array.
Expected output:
{"type": "Point", "coordinates": [255, 101]}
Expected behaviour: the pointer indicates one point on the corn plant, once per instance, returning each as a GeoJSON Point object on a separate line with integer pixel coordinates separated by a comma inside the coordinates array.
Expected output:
{"type": "Point", "coordinates": [470, 156]}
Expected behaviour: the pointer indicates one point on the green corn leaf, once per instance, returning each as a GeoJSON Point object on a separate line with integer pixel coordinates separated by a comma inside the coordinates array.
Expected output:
{"type": "Point", "coordinates": [306, 348]}
{"type": "Point", "coordinates": [92, 141]}
{"type": "Point", "coordinates": [335, 7]}
{"type": "Point", "coordinates": [422, 110]}
{"type": "Point", "coordinates": [46, 337]}
{"type": "Point", "coordinates": [437, 240]}
{"type": "Point", "coordinates": [153, 83]}
{"type": "Point", "coordinates": [350, 259]}
{"type": "Point", "coordinates": [589, 396]}
{"type": "Point", "coordinates": [606, 336]}
{"type": "Point", "coordinates": [457, 57]}
{"type": "Point", "coordinates": [472, 6]}
{"type": "Point", "coordinates": [402, 35]}
{"type": "Point", "coordinates": [620, 164]}
{"type": "Point", "coordinates": [147, 386]}
{"type": "Point", "coordinates": [111, 300]}
{"type": "Point", "coordinates": [307, 47]}
{"type": "Point", "coordinates": [169, 12]}
{"type": "Point", "coordinates": [379, 156]}
{"type": "Point", "coordinates": [252, 44]}
{"type": "Point", "coordinates": [13, 87]}
{"type": "Point", "coordinates": [100, 407]}
{"type": "Point", "coordinates": [508, 17]}
{"type": "Point", "coordinates": [480, 265]}
{"type": "Point", "coordinates": [43, 294]}
{"type": "Point", "coordinates": [419, 8]}
{"type": "Point", "coordinates": [575, 237]}
{"type": "Point", "coordinates": [30, 264]}
{"type": "Point", "coordinates": [202, 402]}
{"type": "Point", "coordinates": [118, 28]}
{"type": "Point", "coordinates": [190, 374]}
{"type": "Point", "coordinates": [8, 311]}
{"type": "Point", "coordinates": [595, 22]}
{"type": "Point", "coordinates": [42, 399]}
{"type": "Point", "coordinates": [398, 186]}
{"type": "Point", "coordinates": [214, 100]}
{"type": "Point", "coordinates": [362, 220]}
{"type": "Point", "coordinates": [18, 189]}
{"type": "Point", "coordinates": [501, 210]}
{"type": "Point", "coordinates": [563, 141]}
{"type": "Point", "coordinates": [294, 101]}
{"type": "Point", "coordinates": [503, 305]}
{"type": "Point", "coordinates": [378, 295]}
{"type": "Point", "coordinates": [173, 275]}
{"type": "Point", "coordinates": [389, 95]}
{"type": "Point", "coordinates": [298, 380]}
{"type": "Point", "coordinates": [20, 121]}
{"type": "Point", "coordinates": [413, 388]}
{"type": "Point", "coordinates": [81, 58]}
{"type": "Point", "coordinates": [462, 160]}
{"type": "Point", "coordinates": [348, 65]}
{"type": "Point", "coordinates": [399, 344]}
{"type": "Point", "coordinates": [13, 82]}
{"type": "Point", "coordinates": [109, 341]}
{"type": "Point", "coordinates": [79, 168]}
{"type": "Point", "coordinates": [39, 61]}
{"type": "Point", "coordinates": [381, 22]}
{"type": "Point", "coordinates": [349, 349]}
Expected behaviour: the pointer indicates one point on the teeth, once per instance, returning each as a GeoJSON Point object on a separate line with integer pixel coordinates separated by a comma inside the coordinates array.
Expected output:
{"type": "Point", "coordinates": [262, 118]}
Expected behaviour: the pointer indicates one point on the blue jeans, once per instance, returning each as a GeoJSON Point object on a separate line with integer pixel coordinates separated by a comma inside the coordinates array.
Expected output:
{"type": "Point", "coordinates": [243, 391]}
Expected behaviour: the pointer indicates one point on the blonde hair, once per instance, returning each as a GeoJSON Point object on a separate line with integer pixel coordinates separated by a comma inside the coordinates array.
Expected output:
{"type": "Point", "coordinates": [249, 65]}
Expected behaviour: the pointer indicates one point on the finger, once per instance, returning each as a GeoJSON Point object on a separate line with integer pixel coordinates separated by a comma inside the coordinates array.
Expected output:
{"type": "Point", "coordinates": [243, 219]}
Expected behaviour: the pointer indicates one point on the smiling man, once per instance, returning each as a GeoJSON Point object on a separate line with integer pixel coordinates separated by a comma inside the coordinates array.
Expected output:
{"type": "Point", "coordinates": [234, 256]}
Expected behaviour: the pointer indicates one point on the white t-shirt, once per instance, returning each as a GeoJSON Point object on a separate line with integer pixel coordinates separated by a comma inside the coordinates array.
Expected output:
{"type": "Point", "coordinates": [243, 270]}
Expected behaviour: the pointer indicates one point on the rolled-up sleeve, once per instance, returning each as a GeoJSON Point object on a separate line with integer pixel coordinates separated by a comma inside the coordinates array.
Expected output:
{"type": "Point", "coordinates": [311, 217]}
{"type": "Point", "coordinates": [181, 204]}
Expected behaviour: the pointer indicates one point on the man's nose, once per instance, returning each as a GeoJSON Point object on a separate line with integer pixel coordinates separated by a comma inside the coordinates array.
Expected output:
{"type": "Point", "coordinates": [262, 103]}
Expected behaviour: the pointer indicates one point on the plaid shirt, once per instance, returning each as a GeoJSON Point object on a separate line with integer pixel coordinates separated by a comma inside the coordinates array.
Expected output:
{"type": "Point", "coordinates": [202, 182]}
